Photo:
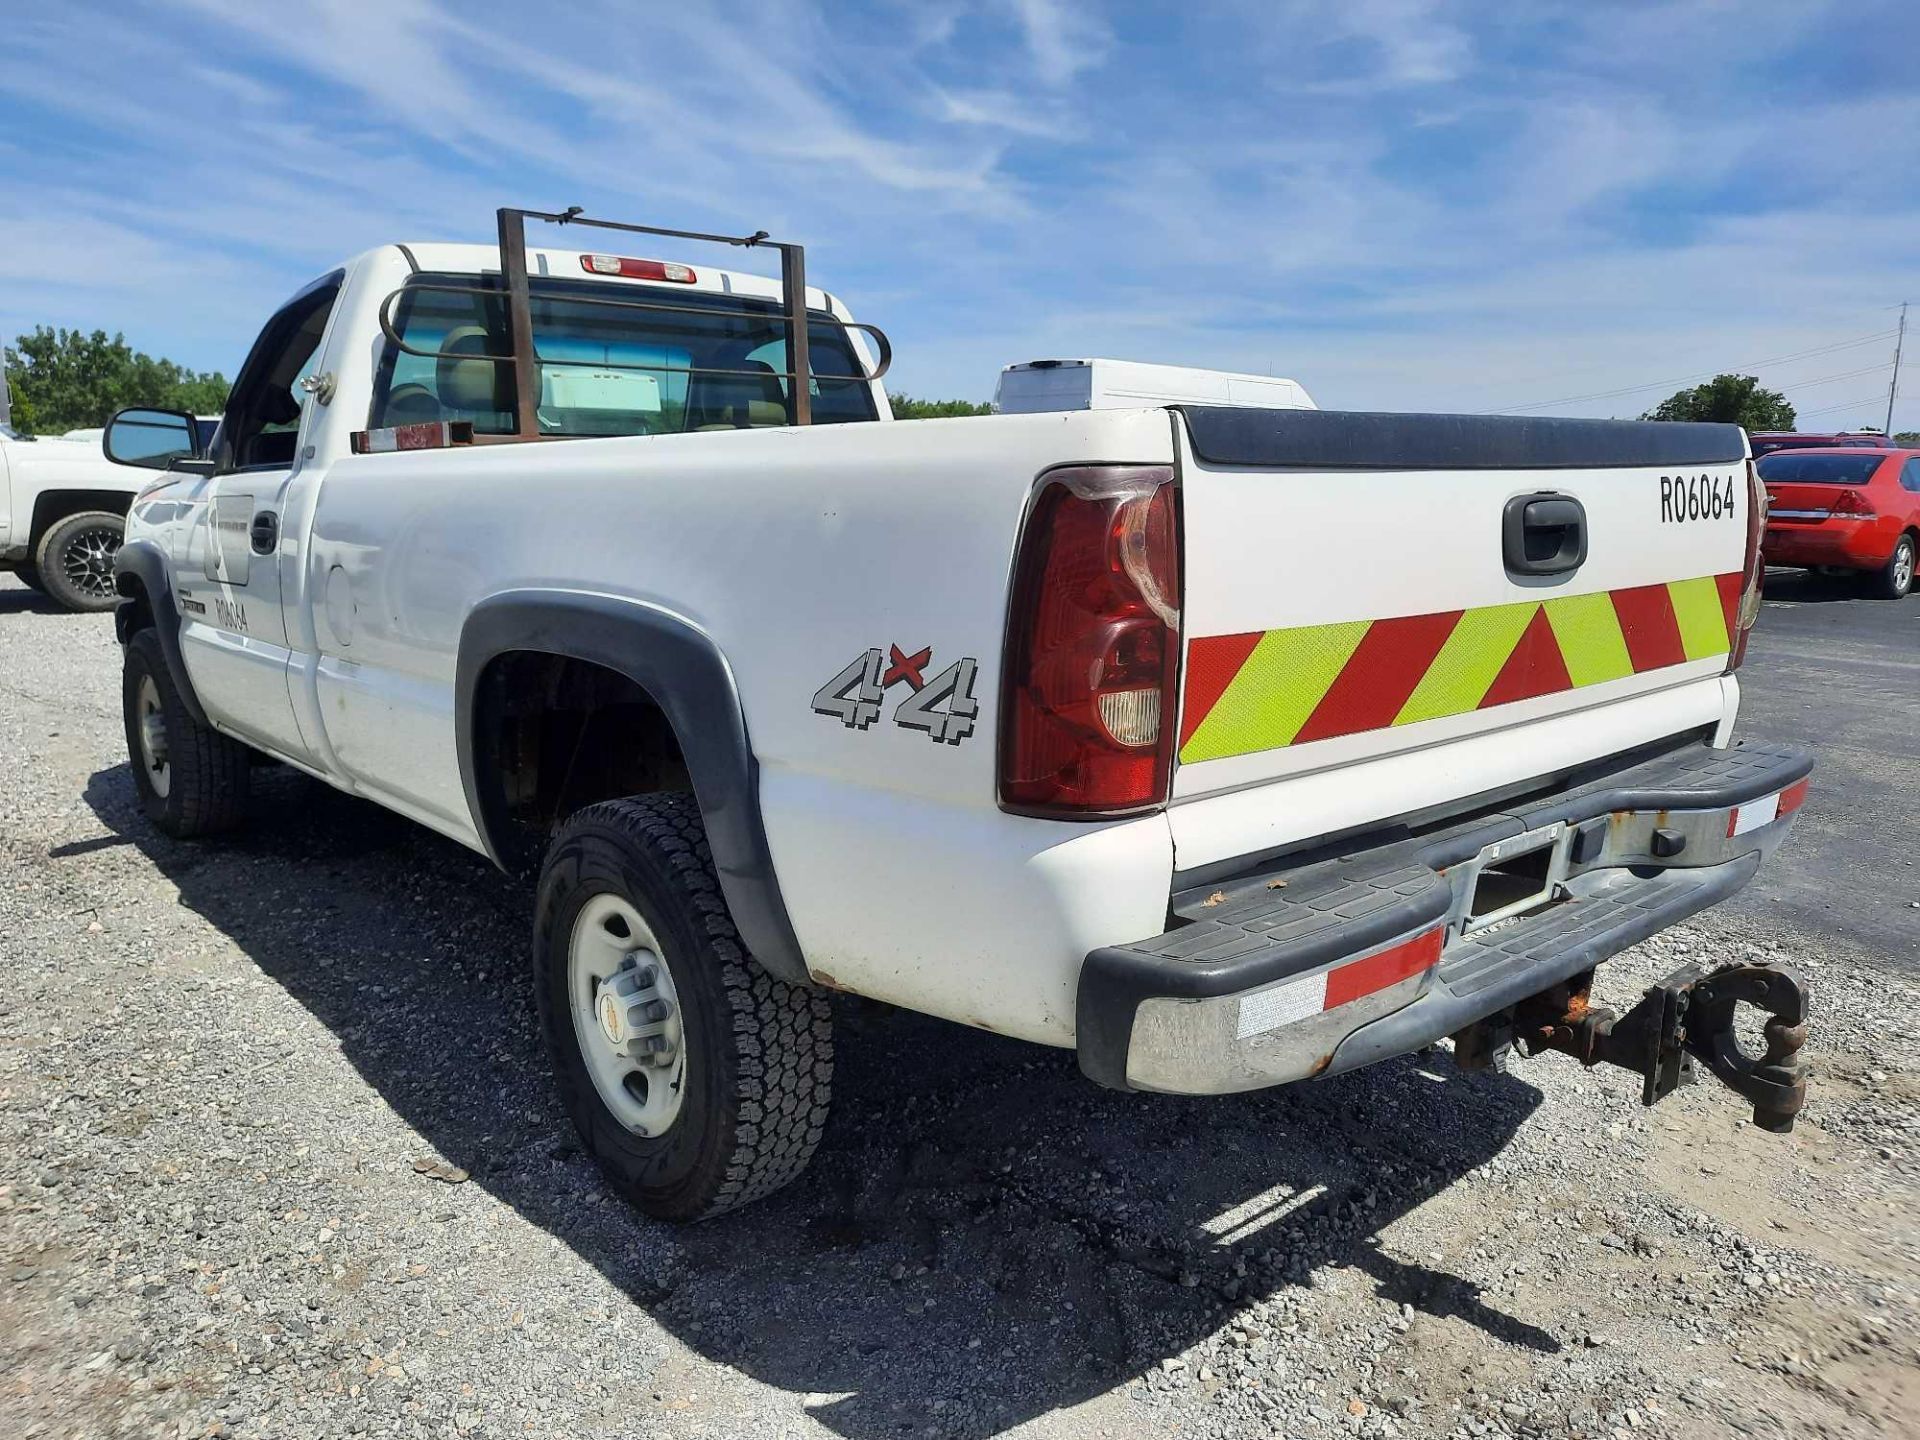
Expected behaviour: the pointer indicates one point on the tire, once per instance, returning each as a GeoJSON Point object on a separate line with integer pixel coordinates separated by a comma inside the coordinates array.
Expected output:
{"type": "Point", "coordinates": [755, 1053]}
{"type": "Point", "coordinates": [1894, 580]}
{"type": "Point", "coordinates": [191, 779]}
{"type": "Point", "coordinates": [75, 560]}
{"type": "Point", "coordinates": [30, 577]}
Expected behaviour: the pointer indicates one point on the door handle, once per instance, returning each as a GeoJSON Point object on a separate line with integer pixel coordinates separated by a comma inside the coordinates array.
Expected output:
{"type": "Point", "coordinates": [264, 534]}
{"type": "Point", "coordinates": [1544, 534]}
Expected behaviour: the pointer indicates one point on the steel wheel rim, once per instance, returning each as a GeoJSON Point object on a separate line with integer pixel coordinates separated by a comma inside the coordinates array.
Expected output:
{"type": "Point", "coordinates": [87, 562]}
{"type": "Point", "coordinates": [626, 1015]}
{"type": "Point", "coordinates": [150, 726]}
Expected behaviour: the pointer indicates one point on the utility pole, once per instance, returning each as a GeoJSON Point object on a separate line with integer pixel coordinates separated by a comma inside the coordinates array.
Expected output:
{"type": "Point", "coordinates": [1893, 387]}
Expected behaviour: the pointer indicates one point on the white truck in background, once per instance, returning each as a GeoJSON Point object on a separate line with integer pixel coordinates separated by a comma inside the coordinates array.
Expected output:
{"type": "Point", "coordinates": [62, 512]}
{"type": "Point", "coordinates": [1145, 732]}
{"type": "Point", "coordinates": [1036, 386]}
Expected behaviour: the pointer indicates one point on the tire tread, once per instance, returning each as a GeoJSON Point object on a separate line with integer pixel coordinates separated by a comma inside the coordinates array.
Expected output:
{"type": "Point", "coordinates": [783, 1037]}
{"type": "Point", "coordinates": [212, 772]}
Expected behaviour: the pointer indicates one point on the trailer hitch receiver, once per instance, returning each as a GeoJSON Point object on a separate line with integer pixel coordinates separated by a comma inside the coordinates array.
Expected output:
{"type": "Point", "coordinates": [1687, 1017]}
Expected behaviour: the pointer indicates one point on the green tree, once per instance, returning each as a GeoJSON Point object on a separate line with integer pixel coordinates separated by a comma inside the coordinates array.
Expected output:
{"type": "Point", "coordinates": [1906, 438]}
{"type": "Point", "coordinates": [1731, 400]}
{"type": "Point", "coordinates": [65, 379]}
{"type": "Point", "coordinates": [905, 407]}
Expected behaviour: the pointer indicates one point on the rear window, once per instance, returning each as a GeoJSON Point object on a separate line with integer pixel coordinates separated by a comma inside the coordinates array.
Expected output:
{"type": "Point", "coordinates": [608, 370]}
{"type": "Point", "coordinates": [1789, 468]}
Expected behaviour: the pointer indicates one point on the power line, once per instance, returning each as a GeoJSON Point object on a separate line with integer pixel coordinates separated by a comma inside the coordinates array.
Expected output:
{"type": "Point", "coordinates": [1700, 375]}
{"type": "Point", "coordinates": [1843, 375]}
{"type": "Point", "coordinates": [1843, 405]}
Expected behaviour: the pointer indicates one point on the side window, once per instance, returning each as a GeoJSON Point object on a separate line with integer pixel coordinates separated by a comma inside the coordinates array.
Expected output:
{"type": "Point", "coordinates": [1910, 475]}
{"type": "Point", "coordinates": [459, 321]}
{"type": "Point", "coordinates": [262, 425]}
{"type": "Point", "coordinates": [838, 386]}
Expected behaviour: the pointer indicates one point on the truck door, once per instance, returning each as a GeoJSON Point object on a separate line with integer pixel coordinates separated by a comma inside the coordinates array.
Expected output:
{"type": "Point", "coordinates": [233, 628]}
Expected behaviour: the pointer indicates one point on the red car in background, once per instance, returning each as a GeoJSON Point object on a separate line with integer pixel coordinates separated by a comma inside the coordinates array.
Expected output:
{"type": "Point", "coordinates": [1845, 509]}
{"type": "Point", "coordinates": [1765, 442]}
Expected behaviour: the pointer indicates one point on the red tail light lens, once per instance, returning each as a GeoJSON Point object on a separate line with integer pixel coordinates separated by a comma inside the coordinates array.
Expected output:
{"type": "Point", "coordinates": [1753, 568]}
{"type": "Point", "coordinates": [1852, 502]}
{"type": "Point", "coordinates": [630, 269]}
{"type": "Point", "coordinates": [1093, 646]}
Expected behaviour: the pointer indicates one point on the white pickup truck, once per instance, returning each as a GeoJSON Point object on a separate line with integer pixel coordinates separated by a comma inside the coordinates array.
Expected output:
{"type": "Point", "coordinates": [61, 514]}
{"type": "Point", "coordinates": [1228, 747]}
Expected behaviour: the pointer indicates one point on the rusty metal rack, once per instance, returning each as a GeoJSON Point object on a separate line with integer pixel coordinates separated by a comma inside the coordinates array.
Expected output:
{"type": "Point", "coordinates": [526, 362]}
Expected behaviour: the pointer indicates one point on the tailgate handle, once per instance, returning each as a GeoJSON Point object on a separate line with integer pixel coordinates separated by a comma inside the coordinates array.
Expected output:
{"type": "Point", "coordinates": [1544, 534]}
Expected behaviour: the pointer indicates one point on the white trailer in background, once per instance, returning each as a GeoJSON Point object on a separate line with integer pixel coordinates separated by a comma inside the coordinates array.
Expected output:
{"type": "Point", "coordinates": [1034, 386]}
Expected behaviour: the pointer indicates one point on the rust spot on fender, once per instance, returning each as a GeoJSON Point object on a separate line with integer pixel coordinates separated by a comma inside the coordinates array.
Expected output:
{"type": "Point", "coordinates": [821, 977]}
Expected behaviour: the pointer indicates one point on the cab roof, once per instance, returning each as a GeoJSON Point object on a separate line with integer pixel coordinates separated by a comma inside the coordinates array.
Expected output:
{"type": "Point", "coordinates": [443, 257]}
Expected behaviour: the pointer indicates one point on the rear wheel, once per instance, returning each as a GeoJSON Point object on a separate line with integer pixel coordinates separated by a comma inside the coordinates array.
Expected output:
{"type": "Point", "coordinates": [75, 560]}
{"type": "Point", "coordinates": [699, 1081]}
{"type": "Point", "coordinates": [1895, 578]}
{"type": "Point", "coordinates": [191, 779]}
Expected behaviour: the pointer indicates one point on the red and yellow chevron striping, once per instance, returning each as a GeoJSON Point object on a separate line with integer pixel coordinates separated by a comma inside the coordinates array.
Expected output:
{"type": "Point", "coordinates": [1270, 688]}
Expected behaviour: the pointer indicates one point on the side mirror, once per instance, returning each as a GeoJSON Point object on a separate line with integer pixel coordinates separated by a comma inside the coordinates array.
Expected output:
{"type": "Point", "coordinates": [151, 439]}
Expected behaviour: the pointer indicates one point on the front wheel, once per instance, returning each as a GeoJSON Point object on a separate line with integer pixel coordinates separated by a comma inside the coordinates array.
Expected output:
{"type": "Point", "coordinates": [191, 779]}
{"type": "Point", "coordinates": [75, 560]}
{"type": "Point", "coordinates": [699, 1081]}
{"type": "Point", "coordinates": [1895, 578]}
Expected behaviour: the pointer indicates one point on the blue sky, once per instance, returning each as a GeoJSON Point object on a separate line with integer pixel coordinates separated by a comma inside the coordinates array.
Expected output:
{"type": "Point", "coordinates": [1404, 204]}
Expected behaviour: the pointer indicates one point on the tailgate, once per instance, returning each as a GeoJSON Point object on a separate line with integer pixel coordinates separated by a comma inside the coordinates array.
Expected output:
{"type": "Point", "coordinates": [1362, 586]}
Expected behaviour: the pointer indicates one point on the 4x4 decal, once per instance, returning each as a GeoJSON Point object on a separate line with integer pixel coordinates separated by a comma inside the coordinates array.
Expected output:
{"type": "Point", "coordinates": [943, 707]}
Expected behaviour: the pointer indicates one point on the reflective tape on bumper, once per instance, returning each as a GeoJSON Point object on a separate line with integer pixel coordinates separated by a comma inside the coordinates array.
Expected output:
{"type": "Point", "coordinates": [1766, 810]}
{"type": "Point", "coordinates": [1301, 999]}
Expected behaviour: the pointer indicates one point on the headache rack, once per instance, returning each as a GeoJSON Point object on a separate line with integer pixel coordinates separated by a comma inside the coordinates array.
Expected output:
{"type": "Point", "coordinates": [514, 293]}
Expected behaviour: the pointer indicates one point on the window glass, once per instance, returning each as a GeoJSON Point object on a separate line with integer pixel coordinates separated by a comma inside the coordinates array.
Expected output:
{"type": "Point", "coordinates": [607, 369]}
{"type": "Point", "coordinates": [1799, 467]}
{"type": "Point", "coordinates": [262, 422]}
{"type": "Point", "coordinates": [1910, 475]}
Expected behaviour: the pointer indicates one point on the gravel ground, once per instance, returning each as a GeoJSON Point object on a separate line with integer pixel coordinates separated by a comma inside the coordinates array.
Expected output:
{"type": "Point", "coordinates": [279, 1158]}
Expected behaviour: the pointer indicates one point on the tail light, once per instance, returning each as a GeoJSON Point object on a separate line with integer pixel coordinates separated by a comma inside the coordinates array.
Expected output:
{"type": "Point", "coordinates": [1093, 646]}
{"type": "Point", "coordinates": [1753, 570]}
{"type": "Point", "coordinates": [1852, 503]}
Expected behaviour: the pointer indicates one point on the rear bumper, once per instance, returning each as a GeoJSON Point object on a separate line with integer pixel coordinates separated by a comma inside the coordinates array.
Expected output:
{"type": "Point", "coordinates": [1284, 974]}
{"type": "Point", "coordinates": [1857, 544]}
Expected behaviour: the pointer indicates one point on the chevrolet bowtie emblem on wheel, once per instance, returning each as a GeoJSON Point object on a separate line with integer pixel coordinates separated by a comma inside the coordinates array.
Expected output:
{"type": "Point", "coordinates": [610, 1019]}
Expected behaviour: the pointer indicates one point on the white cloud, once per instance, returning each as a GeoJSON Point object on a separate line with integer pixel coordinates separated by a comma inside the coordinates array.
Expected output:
{"type": "Point", "coordinates": [1062, 38]}
{"type": "Point", "coordinates": [1413, 43]}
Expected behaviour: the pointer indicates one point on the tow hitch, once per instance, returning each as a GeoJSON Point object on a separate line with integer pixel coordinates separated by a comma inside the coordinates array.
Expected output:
{"type": "Point", "coordinates": [1686, 1017]}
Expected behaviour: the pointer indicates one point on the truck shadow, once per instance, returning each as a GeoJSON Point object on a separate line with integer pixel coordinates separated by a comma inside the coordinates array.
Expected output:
{"type": "Point", "coordinates": [1805, 587]}
{"type": "Point", "coordinates": [985, 1236]}
{"type": "Point", "coordinates": [18, 599]}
